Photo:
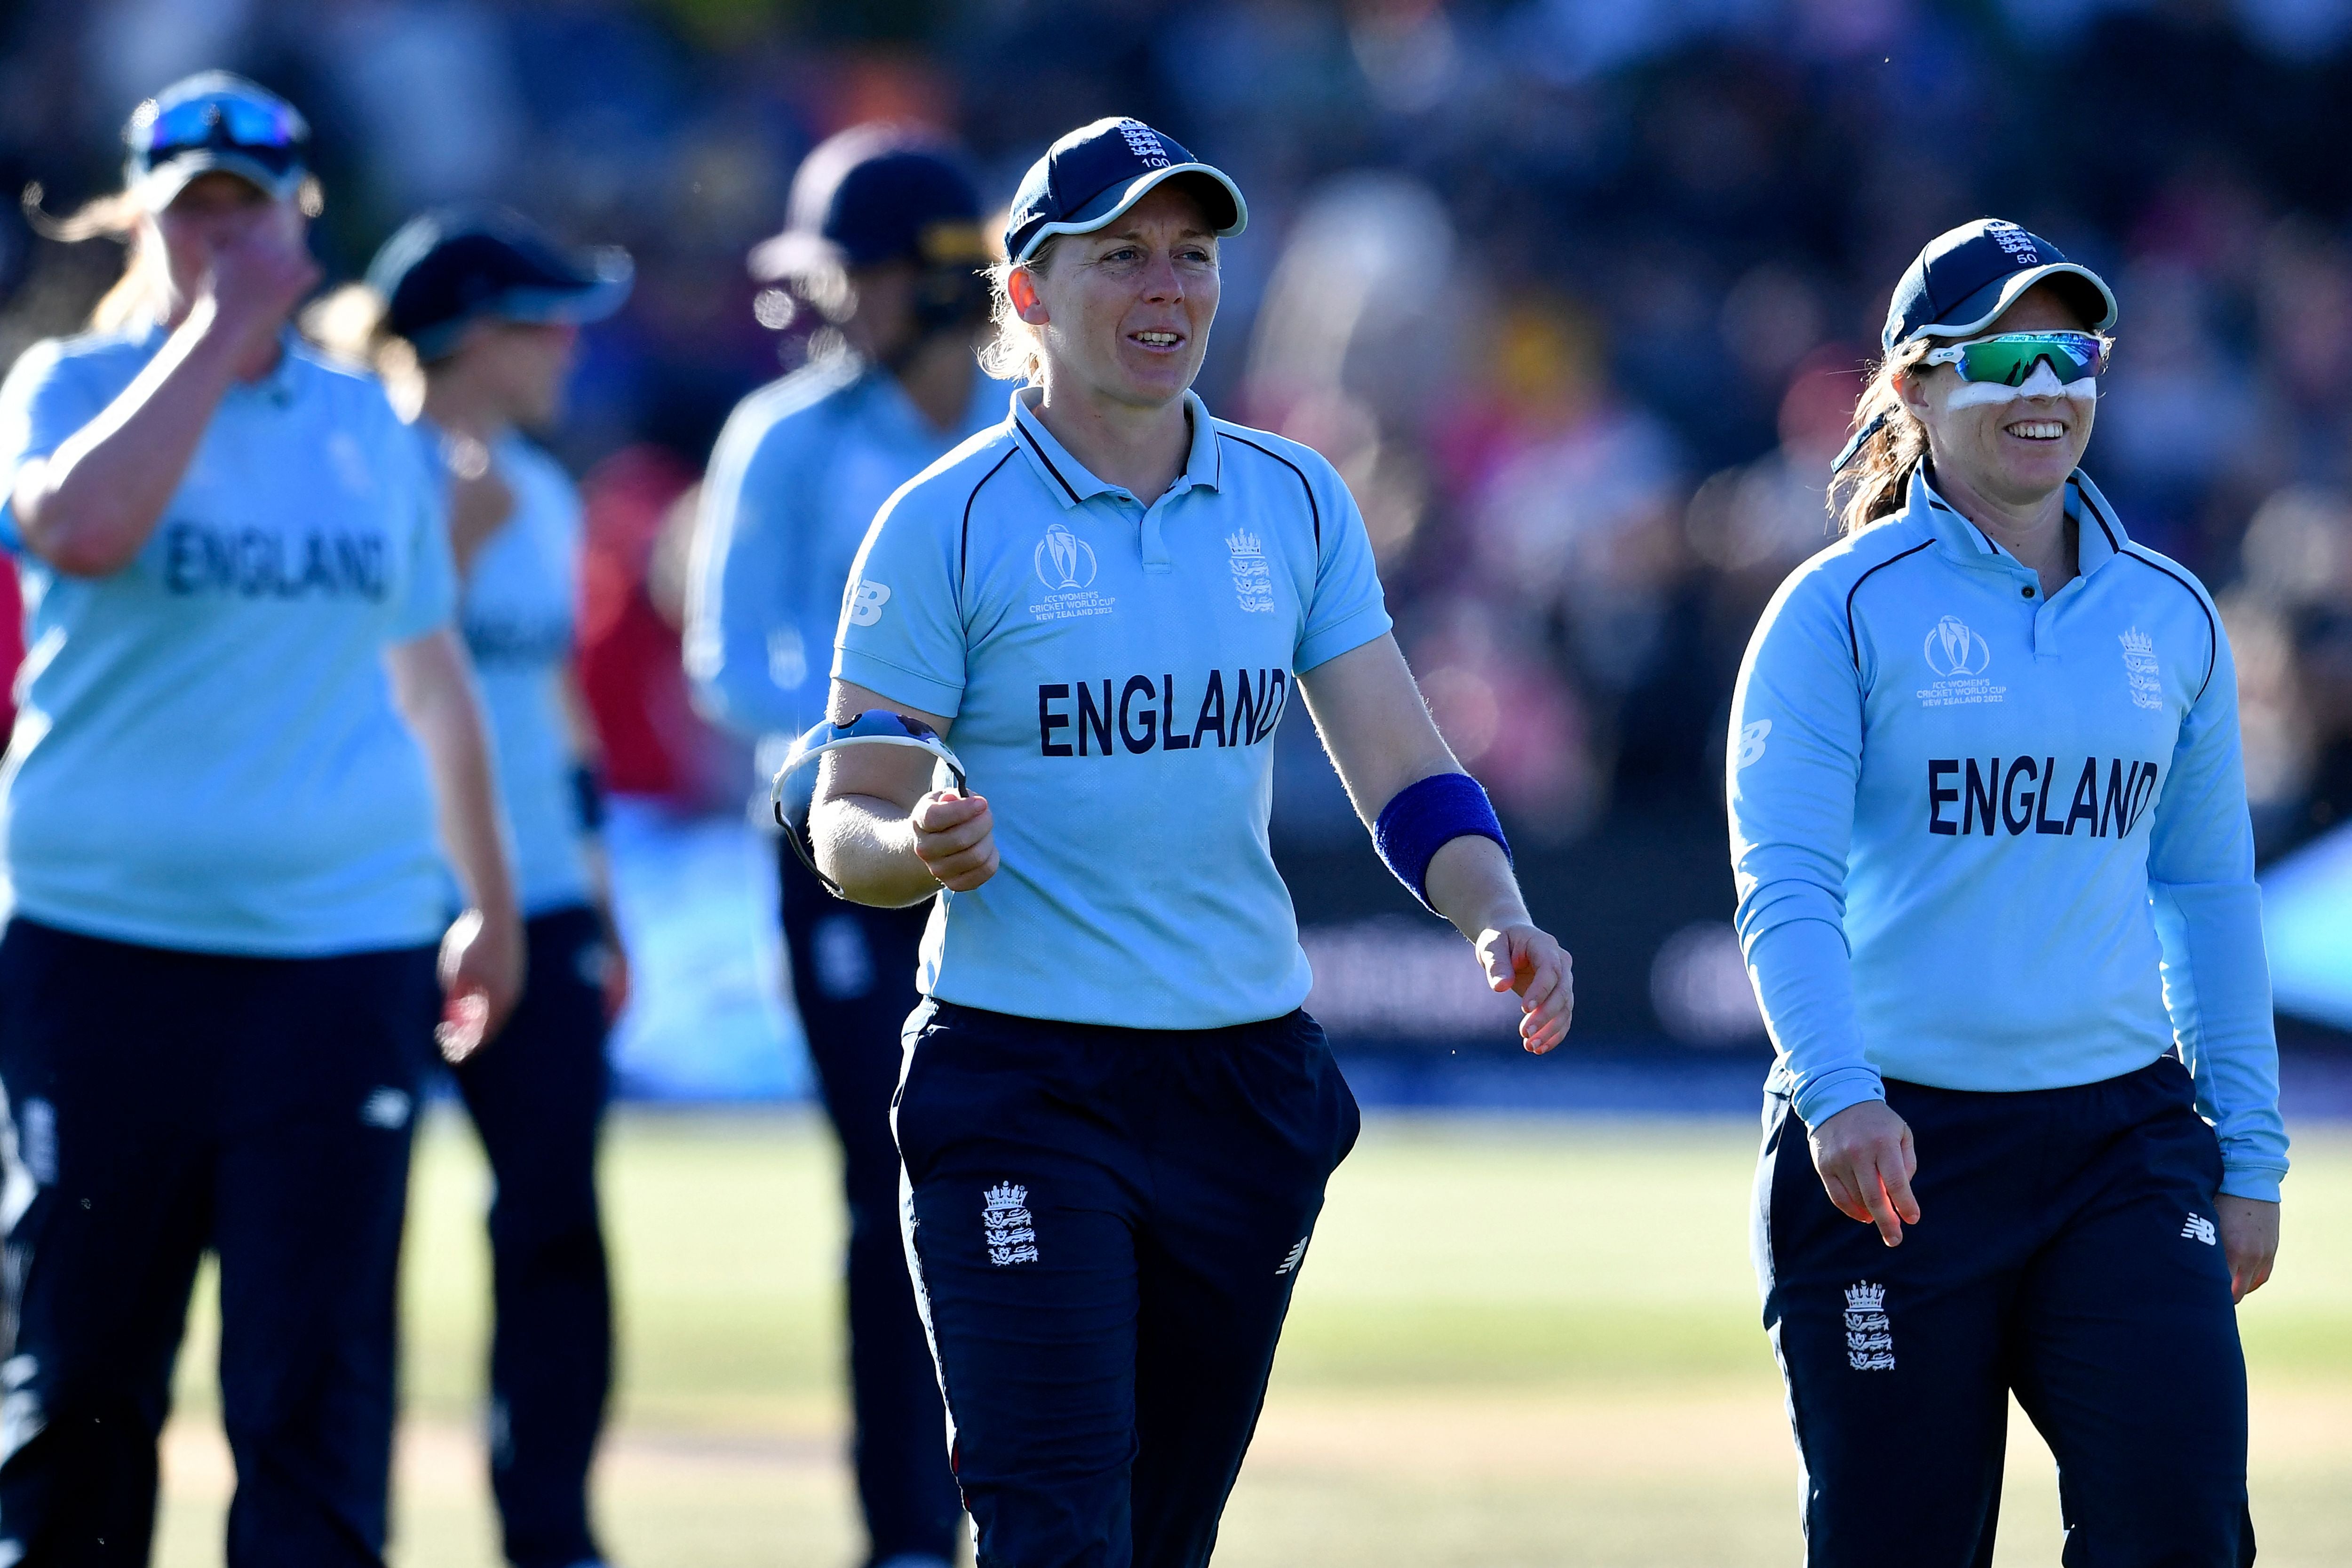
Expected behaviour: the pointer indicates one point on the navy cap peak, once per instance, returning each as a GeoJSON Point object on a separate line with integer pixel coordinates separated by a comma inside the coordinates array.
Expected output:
{"type": "Point", "coordinates": [874, 192]}
{"type": "Point", "coordinates": [1964, 279]}
{"type": "Point", "coordinates": [445, 269]}
{"type": "Point", "coordinates": [1095, 173]}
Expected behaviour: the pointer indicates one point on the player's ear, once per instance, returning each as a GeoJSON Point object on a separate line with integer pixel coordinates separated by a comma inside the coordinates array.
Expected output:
{"type": "Point", "coordinates": [1021, 287]}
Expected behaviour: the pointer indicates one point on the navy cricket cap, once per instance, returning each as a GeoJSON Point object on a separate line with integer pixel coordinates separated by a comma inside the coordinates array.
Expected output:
{"type": "Point", "coordinates": [1967, 276]}
{"type": "Point", "coordinates": [446, 269]}
{"type": "Point", "coordinates": [214, 122]}
{"type": "Point", "coordinates": [1090, 176]}
{"type": "Point", "coordinates": [873, 193]}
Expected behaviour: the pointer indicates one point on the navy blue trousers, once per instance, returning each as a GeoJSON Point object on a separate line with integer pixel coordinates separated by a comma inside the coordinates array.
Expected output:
{"type": "Point", "coordinates": [1107, 1224]}
{"type": "Point", "coordinates": [537, 1095]}
{"type": "Point", "coordinates": [2066, 1251]}
{"type": "Point", "coordinates": [853, 983]}
{"type": "Point", "coordinates": [160, 1103]}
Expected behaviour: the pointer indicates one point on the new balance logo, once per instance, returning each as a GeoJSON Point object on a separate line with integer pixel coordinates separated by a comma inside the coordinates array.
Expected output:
{"type": "Point", "coordinates": [1011, 1233]}
{"type": "Point", "coordinates": [1292, 1258]}
{"type": "Point", "coordinates": [1869, 1335]}
{"type": "Point", "coordinates": [2199, 1229]}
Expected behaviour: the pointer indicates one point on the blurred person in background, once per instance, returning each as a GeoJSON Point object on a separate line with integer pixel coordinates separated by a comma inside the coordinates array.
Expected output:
{"type": "Point", "coordinates": [474, 318]}
{"type": "Point", "coordinates": [217, 981]}
{"type": "Point", "coordinates": [2019, 991]}
{"type": "Point", "coordinates": [884, 239]}
{"type": "Point", "coordinates": [1116, 1120]}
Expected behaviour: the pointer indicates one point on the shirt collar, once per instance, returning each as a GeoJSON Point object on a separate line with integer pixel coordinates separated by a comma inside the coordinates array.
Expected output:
{"type": "Point", "coordinates": [2099, 534]}
{"type": "Point", "coordinates": [1072, 482]}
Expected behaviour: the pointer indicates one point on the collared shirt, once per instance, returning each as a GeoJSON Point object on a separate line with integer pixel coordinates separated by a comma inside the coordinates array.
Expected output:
{"type": "Point", "coordinates": [516, 610]}
{"type": "Point", "coordinates": [208, 757]}
{"type": "Point", "coordinates": [1990, 840]}
{"type": "Point", "coordinates": [1115, 672]}
{"type": "Point", "coordinates": [795, 479]}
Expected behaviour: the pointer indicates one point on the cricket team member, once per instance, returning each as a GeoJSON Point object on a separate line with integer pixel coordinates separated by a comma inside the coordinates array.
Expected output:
{"type": "Point", "coordinates": [1115, 1121]}
{"type": "Point", "coordinates": [884, 234]}
{"type": "Point", "coordinates": [487, 313]}
{"type": "Point", "coordinates": [1989, 825]}
{"type": "Point", "coordinates": [245, 702]}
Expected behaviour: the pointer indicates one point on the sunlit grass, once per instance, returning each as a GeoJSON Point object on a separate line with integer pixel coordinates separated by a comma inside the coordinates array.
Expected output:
{"type": "Point", "coordinates": [1515, 1343]}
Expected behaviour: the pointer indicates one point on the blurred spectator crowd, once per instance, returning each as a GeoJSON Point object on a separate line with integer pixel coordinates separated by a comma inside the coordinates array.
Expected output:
{"type": "Point", "coordinates": [1577, 293]}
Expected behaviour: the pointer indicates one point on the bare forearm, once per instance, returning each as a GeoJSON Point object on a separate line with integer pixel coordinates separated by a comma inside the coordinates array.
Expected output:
{"type": "Point", "coordinates": [1471, 884]}
{"type": "Point", "coordinates": [434, 689]}
{"type": "Point", "coordinates": [472, 832]}
{"type": "Point", "coordinates": [93, 505]}
{"type": "Point", "coordinates": [867, 845]}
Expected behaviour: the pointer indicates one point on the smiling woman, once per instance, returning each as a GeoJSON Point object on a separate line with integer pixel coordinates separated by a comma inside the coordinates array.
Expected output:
{"type": "Point", "coordinates": [1996, 892]}
{"type": "Point", "coordinates": [1115, 1118]}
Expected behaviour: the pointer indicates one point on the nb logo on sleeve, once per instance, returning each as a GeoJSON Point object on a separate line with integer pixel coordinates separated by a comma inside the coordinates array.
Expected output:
{"type": "Point", "coordinates": [865, 601]}
{"type": "Point", "coordinates": [1752, 744]}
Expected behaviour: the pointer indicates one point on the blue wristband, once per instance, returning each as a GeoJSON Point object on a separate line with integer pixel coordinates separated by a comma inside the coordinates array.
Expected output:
{"type": "Point", "coordinates": [587, 799]}
{"type": "Point", "coordinates": [1423, 817]}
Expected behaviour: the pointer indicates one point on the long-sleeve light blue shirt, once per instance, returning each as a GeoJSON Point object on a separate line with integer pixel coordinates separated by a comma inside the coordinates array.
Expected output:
{"type": "Point", "coordinates": [797, 476]}
{"type": "Point", "coordinates": [1986, 840]}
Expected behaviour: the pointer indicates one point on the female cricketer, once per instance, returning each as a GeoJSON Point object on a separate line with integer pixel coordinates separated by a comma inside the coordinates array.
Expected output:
{"type": "Point", "coordinates": [1996, 889]}
{"type": "Point", "coordinates": [217, 978]}
{"type": "Point", "coordinates": [884, 239]}
{"type": "Point", "coordinates": [1115, 1120]}
{"type": "Point", "coordinates": [475, 315]}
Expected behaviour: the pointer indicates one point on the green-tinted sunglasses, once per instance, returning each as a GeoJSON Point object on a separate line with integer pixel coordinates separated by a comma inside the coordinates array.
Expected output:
{"type": "Point", "coordinates": [2009, 360]}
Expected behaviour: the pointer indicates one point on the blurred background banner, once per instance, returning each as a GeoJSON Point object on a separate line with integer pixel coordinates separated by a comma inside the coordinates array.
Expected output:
{"type": "Point", "coordinates": [1576, 294]}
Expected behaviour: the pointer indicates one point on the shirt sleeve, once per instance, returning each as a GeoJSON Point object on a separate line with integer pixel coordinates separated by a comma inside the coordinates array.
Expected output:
{"type": "Point", "coordinates": [2209, 916]}
{"type": "Point", "coordinates": [737, 601]}
{"type": "Point", "coordinates": [429, 587]}
{"type": "Point", "coordinates": [41, 405]}
{"type": "Point", "coordinates": [1793, 763]}
{"type": "Point", "coordinates": [1348, 609]}
{"type": "Point", "coordinates": [902, 632]}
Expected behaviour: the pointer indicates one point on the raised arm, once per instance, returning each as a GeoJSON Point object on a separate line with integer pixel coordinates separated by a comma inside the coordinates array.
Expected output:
{"type": "Point", "coordinates": [89, 507]}
{"type": "Point", "coordinates": [1379, 733]}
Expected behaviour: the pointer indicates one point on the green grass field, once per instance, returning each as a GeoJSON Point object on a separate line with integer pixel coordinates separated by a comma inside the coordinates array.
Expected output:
{"type": "Point", "coordinates": [1514, 1343]}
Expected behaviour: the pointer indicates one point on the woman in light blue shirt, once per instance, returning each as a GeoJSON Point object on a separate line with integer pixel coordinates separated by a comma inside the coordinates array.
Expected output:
{"type": "Point", "coordinates": [1996, 889]}
{"type": "Point", "coordinates": [473, 317]}
{"type": "Point", "coordinates": [244, 708]}
{"type": "Point", "coordinates": [1116, 1120]}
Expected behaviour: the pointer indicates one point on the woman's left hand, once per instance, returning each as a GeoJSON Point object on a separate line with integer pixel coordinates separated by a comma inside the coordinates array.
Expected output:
{"type": "Point", "coordinates": [2250, 1238]}
{"type": "Point", "coordinates": [1527, 960]}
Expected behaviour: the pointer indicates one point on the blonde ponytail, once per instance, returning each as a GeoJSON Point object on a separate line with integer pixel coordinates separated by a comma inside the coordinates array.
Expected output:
{"type": "Point", "coordinates": [1889, 443]}
{"type": "Point", "coordinates": [352, 323]}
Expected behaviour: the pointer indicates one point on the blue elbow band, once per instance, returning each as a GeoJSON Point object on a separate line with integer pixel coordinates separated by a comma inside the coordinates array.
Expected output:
{"type": "Point", "coordinates": [1426, 816]}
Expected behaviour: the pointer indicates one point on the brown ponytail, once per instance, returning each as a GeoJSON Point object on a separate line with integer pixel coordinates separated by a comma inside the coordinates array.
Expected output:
{"type": "Point", "coordinates": [1871, 482]}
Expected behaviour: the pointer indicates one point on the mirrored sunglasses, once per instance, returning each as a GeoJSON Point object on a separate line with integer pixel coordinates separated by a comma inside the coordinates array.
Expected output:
{"type": "Point", "coordinates": [2009, 358]}
{"type": "Point", "coordinates": [270, 134]}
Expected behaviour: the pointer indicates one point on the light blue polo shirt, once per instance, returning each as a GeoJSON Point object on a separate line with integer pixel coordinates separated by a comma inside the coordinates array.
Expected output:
{"type": "Point", "coordinates": [517, 609]}
{"type": "Point", "coordinates": [1986, 840]}
{"type": "Point", "coordinates": [1114, 673]}
{"type": "Point", "coordinates": [208, 757]}
{"type": "Point", "coordinates": [795, 479]}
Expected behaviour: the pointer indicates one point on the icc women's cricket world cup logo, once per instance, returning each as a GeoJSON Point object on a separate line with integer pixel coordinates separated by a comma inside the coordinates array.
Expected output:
{"type": "Point", "coordinates": [1064, 561]}
{"type": "Point", "coordinates": [1953, 649]}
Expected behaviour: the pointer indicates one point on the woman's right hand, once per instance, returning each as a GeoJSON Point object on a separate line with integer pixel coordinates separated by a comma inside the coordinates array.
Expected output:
{"type": "Point", "coordinates": [1865, 1156]}
{"type": "Point", "coordinates": [258, 276]}
{"type": "Point", "coordinates": [955, 838]}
